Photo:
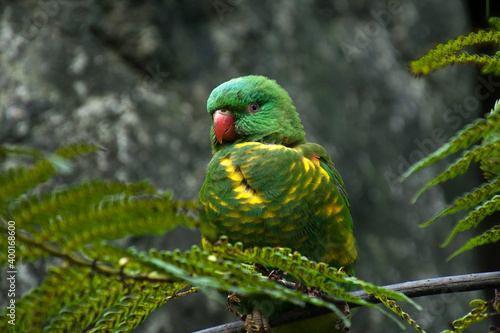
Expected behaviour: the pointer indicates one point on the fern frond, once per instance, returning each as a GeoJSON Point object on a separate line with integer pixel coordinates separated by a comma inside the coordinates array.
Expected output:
{"type": "Point", "coordinates": [463, 139]}
{"type": "Point", "coordinates": [57, 290]}
{"type": "Point", "coordinates": [474, 316]}
{"type": "Point", "coordinates": [461, 165]}
{"type": "Point", "coordinates": [199, 268]}
{"type": "Point", "coordinates": [468, 200]}
{"type": "Point", "coordinates": [117, 218]}
{"type": "Point", "coordinates": [490, 236]}
{"type": "Point", "coordinates": [140, 217]}
{"type": "Point", "coordinates": [38, 210]}
{"type": "Point", "coordinates": [129, 260]}
{"type": "Point", "coordinates": [76, 317]}
{"type": "Point", "coordinates": [494, 22]}
{"type": "Point", "coordinates": [476, 216]}
{"type": "Point", "coordinates": [452, 52]}
{"type": "Point", "coordinates": [75, 150]}
{"type": "Point", "coordinates": [72, 298]}
{"type": "Point", "coordinates": [399, 311]}
{"type": "Point", "coordinates": [136, 306]}
{"type": "Point", "coordinates": [308, 272]}
{"type": "Point", "coordinates": [6, 150]}
{"type": "Point", "coordinates": [223, 267]}
{"type": "Point", "coordinates": [20, 180]}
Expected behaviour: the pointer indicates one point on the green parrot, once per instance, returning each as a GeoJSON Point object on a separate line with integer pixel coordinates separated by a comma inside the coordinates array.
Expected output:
{"type": "Point", "coordinates": [266, 185]}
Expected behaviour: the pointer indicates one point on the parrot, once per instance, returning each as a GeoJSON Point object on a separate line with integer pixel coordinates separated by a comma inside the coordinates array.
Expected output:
{"type": "Point", "coordinates": [266, 185]}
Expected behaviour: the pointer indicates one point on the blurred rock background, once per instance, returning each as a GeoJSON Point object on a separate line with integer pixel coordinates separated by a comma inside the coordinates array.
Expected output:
{"type": "Point", "coordinates": [134, 76]}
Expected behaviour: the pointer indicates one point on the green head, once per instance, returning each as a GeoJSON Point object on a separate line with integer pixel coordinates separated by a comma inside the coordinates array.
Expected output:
{"type": "Point", "coordinates": [253, 108]}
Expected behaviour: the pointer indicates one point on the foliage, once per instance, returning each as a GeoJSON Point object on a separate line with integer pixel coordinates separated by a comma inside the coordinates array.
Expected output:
{"type": "Point", "coordinates": [475, 315]}
{"type": "Point", "coordinates": [485, 133]}
{"type": "Point", "coordinates": [453, 52]}
{"type": "Point", "coordinates": [98, 286]}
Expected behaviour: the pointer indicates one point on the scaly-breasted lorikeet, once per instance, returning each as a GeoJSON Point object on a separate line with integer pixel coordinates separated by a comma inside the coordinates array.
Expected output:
{"type": "Point", "coordinates": [266, 185]}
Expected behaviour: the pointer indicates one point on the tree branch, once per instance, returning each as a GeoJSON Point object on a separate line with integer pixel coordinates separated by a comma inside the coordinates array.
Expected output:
{"type": "Point", "coordinates": [412, 289]}
{"type": "Point", "coordinates": [77, 259]}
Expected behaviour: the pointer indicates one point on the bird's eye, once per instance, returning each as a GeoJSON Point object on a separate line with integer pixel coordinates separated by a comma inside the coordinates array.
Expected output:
{"type": "Point", "coordinates": [254, 107]}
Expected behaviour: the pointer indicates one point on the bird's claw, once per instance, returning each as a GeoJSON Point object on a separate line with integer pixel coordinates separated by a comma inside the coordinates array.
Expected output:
{"type": "Point", "coordinates": [257, 323]}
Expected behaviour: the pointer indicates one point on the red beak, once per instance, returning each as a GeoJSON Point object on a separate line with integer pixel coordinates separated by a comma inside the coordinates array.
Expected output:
{"type": "Point", "coordinates": [224, 128]}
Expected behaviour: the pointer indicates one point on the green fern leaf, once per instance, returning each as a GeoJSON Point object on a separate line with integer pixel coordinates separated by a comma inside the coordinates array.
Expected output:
{"type": "Point", "coordinates": [117, 221]}
{"type": "Point", "coordinates": [452, 52]}
{"type": "Point", "coordinates": [57, 290]}
{"type": "Point", "coordinates": [114, 219]}
{"type": "Point", "coordinates": [128, 260]}
{"type": "Point", "coordinates": [468, 200]}
{"type": "Point", "coordinates": [330, 280]}
{"type": "Point", "coordinates": [309, 273]}
{"type": "Point", "coordinates": [124, 309]}
{"type": "Point", "coordinates": [474, 316]}
{"type": "Point", "coordinates": [491, 164]}
{"type": "Point", "coordinates": [461, 165]}
{"type": "Point", "coordinates": [207, 271]}
{"type": "Point", "coordinates": [20, 180]}
{"type": "Point", "coordinates": [212, 269]}
{"type": "Point", "coordinates": [78, 316]}
{"type": "Point", "coordinates": [81, 149]}
{"type": "Point", "coordinates": [399, 311]}
{"type": "Point", "coordinates": [463, 139]}
{"type": "Point", "coordinates": [114, 316]}
{"type": "Point", "coordinates": [489, 236]}
{"type": "Point", "coordinates": [476, 216]}
{"type": "Point", "coordinates": [39, 210]}
{"type": "Point", "coordinates": [495, 23]}
{"type": "Point", "coordinates": [6, 150]}
{"type": "Point", "coordinates": [136, 306]}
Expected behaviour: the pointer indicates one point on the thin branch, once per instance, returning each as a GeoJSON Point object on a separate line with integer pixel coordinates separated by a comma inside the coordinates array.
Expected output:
{"type": "Point", "coordinates": [76, 258]}
{"type": "Point", "coordinates": [412, 289]}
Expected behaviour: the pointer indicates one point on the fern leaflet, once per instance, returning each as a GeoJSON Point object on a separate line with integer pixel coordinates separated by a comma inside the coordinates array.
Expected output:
{"type": "Point", "coordinates": [452, 52]}
{"type": "Point", "coordinates": [476, 216]}
{"type": "Point", "coordinates": [489, 236]}
{"type": "Point", "coordinates": [474, 316]}
{"type": "Point", "coordinates": [463, 139]}
{"type": "Point", "coordinates": [468, 200]}
{"type": "Point", "coordinates": [461, 165]}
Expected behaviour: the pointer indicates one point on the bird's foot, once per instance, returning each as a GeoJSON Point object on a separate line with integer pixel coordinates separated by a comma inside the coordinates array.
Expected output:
{"type": "Point", "coordinates": [276, 275]}
{"type": "Point", "coordinates": [315, 292]}
{"type": "Point", "coordinates": [339, 325]}
{"type": "Point", "coordinates": [257, 323]}
{"type": "Point", "coordinates": [232, 302]}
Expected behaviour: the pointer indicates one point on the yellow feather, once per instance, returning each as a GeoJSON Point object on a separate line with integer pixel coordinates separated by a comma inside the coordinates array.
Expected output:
{"type": "Point", "coordinates": [288, 199]}
{"type": "Point", "coordinates": [328, 210]}
{"type": "Point", "coordinates": [226, 162]}
{"type": "Point", "coordinates": [269, 214]}
{"type": "Point", "coordinates": [236, 176]}
{"type": "Point", "coordinates": [306, 165]}
{"type": "Point", "coordinates": [308, 181]}
{"type": "Point", "coordinates": [325, 174]}
{"type": "Point", "coordinates": [255, 199]}
{"type": "Point", "coordinates": [337, 209]}
{"type": "Point", "coordinates": [293, 189]}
